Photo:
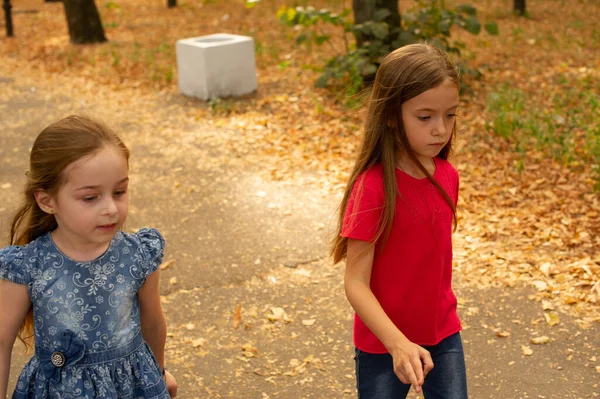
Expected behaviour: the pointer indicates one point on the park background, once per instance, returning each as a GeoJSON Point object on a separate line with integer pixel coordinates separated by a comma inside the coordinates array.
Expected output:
{"type": "Point", "coordinates": [245, 189]}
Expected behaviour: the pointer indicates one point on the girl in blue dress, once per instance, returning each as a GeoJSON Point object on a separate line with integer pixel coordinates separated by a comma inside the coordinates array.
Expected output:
{"type": "Point", "coordinates": [85, 291]}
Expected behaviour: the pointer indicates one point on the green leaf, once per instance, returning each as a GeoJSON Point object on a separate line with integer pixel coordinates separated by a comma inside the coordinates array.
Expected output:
{"type": "Point", "coordinates": [320, 39]}
{"type": "Point", "coordinates": [472, 25]}
{"type": "Point", "coordinates": [492, 28]}
{"type": "Point", "coordinates": [301, 38]}
{"type": "Point", "coordinates": [322, 81]}
{"type": "Point", "coordinates": [467, 9]}
{"type": "Point", "coordinates": [111, 5]}
{"type": "Point", "coordinates": [381, 14]}
{"type": "Point", "coordinates": [380, 30]}
{"type": "Point", "coordinates": [369, 69]}
{"type": "Point", "coordinates": [405, 38]}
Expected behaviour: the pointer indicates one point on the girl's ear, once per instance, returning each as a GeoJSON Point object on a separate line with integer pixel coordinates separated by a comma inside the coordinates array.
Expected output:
{"type": "Point", "coordinates": [391, 122]}
{"type": "Point", "coordinates": [44, 201]}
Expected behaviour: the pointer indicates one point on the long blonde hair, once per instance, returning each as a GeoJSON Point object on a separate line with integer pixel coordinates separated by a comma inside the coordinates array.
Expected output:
{"type": "Point", "coordinates": [403, 74]}
{"type": "Point", "coordinates": [56, 147]}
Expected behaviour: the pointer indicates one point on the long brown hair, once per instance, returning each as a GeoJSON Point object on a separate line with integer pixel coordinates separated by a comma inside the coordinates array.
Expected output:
{"type": "Point", "coordinates": [403, 74]}
{"type": "Point", "coordinates": [56, 147]}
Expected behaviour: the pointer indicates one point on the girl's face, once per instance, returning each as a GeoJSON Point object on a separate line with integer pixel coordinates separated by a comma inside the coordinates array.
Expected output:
{"type": "Point", "coordinates": [429, 119]}
{"type": "Point", "coordinates": [92, 203]}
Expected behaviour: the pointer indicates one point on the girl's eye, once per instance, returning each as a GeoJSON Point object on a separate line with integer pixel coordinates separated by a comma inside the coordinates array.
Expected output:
{"type": "Point", "coordinates": [120, 193]}
{"type": "Point", "coordinates": [423, 118]}
{"type": "Point", "coordinates": [89, 198]}
{"type": "Point", "coordinates": [451, 115]}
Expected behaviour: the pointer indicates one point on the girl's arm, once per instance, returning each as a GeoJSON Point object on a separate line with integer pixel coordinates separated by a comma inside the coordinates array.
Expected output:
{"type": "Point", "coordinates": [411, 362]}
{"type": "Point", "coordinates": [14, 305]}
{"type": "Point", "coordinates": [154, 326]}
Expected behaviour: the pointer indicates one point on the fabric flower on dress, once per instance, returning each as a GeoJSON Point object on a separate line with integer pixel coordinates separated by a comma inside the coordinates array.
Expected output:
{"type": "Point", "coordinates": [69, 351]}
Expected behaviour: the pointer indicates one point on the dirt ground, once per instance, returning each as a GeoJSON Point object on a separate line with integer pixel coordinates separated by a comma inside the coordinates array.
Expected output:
{"type": "Point", "coordinates": [255, 308]}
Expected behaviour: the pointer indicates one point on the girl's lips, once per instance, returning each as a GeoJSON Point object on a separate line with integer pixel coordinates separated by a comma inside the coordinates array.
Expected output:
{"type": "Point", "coordinates": [107, 226]}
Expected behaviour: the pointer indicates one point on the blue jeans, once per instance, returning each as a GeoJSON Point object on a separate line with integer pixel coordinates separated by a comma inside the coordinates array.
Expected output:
{"type": "Point", "coordinates": [375, 377]}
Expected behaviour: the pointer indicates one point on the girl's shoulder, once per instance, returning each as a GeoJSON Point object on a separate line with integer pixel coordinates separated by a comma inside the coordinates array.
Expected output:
{"type": "Point", "coordinates": [18, 261]}
{"type": "Point", "coordinates": [19, 252]}
{"type": "Point", "coordinates": [445, 164]}
{"type": "Point", "coordinates": [373, 176]}
{"type": "Point", "coordinates": [144, 236]}
{"type": "Point", "coordinates": [12, 253]}
{"type": "Point", "coordinates": [149, 241]}
{"type": "Point", "coordinates": [446, 167]}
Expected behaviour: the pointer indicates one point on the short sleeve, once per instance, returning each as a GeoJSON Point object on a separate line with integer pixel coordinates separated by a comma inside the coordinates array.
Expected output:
{"type": "Point", "coordinates": [152, 248]}
{"type": "Point", "coordinates": [362, 217]}
{"type": "Point", "coordinates": [12, 266]}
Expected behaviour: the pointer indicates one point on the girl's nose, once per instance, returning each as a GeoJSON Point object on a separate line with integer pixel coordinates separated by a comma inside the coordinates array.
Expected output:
{"type": "Point", "coordinates": [440, 128]}
{"type": "Point", "coordinates": [110, 207]}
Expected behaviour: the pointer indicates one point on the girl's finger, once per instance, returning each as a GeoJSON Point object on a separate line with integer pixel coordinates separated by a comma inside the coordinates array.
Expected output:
{"type": "Point", "coordinates": [427, 362]}
{"type": "Point", "coordinates": [409, 372]}
{"type": "Point", "coordinates": [417, 366]}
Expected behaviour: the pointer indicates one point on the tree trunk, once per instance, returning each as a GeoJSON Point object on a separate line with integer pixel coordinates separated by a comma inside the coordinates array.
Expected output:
{"type": "Point", "coordinates": [8, 18]}
{"type": "Point", "coordinates": [171, 3]}
{"type": "Point", "coordinates": [364, 10]}
{"type": "Point", "coordinates": [84, 22]}
{"type": "Point", "coordinates": [519, 7]}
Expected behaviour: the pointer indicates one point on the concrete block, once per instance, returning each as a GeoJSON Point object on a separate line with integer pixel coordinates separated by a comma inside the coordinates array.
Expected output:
{"type": "Point", "coordinates": [218, 65]}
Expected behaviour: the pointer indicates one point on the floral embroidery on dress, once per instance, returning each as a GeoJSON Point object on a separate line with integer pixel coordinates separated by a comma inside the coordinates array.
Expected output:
{"type": "Point", "coordinates": [87, 319]}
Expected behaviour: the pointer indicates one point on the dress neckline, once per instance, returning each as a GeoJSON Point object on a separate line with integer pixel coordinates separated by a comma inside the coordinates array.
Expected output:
{"type": "Point", "coordinates": [96, 259]}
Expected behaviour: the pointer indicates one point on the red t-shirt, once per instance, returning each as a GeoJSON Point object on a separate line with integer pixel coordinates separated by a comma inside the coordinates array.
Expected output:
{"type": "Point", "coordinates": [412, 274]}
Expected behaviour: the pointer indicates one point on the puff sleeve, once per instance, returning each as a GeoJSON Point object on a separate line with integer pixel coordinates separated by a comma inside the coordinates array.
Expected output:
{"type": "Point", "coordinates": [152, 248]}
{"type": "Point", "coordinates": [12, 266]}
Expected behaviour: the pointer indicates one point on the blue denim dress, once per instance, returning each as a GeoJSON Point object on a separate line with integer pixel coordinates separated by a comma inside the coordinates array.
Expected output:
{"type": "Point", "coordinates": [88, 340]}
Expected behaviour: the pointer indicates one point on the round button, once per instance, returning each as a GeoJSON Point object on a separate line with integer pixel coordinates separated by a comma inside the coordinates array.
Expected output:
{"type": "Point", "coordinates": [58, 359]}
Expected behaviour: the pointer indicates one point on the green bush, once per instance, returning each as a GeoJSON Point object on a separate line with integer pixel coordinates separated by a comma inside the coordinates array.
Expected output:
{"type": "Point", "coordinates": [428, 21]}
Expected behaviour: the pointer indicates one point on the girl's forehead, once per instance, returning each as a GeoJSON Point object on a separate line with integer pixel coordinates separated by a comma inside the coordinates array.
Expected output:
{"type": "Point", "coordinates": [443, 95]}
{"type": "Point", "coordinates": [105, 164]}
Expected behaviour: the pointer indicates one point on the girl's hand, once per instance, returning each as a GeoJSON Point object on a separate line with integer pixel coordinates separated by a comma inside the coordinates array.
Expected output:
{"type": "Point", "coordinates": [171, 383]}
{"type": "Point", "coordinates": [412, 363]}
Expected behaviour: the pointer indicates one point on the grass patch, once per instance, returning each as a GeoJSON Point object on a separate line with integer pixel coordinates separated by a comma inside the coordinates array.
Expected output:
{"type": "Point", "coordinates": [563, 122]}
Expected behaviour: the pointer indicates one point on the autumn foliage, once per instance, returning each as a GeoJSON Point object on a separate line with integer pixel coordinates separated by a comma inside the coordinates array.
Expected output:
{"type": "Point", "coordinates": [528, 143]}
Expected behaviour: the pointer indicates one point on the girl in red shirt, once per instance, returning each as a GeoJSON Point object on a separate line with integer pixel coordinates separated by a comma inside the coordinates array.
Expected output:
{"type": "Point", "coordinates": [395, 232]}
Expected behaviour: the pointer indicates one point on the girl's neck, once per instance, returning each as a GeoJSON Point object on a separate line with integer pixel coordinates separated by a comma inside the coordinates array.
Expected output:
{"type": "Point", "coordinates": [406, 165]}
{"type": "Point", "coordinates": [77, 250]}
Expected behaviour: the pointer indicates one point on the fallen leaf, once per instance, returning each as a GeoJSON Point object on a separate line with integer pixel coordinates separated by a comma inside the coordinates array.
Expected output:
{"type": "Point", "coordinates": [249, 350]}
{"type": "Point", "coordinates": [547, 305]}
{"type": "Point", "coordinates": [167, 264]}
{"type": "Point", "coordinates": [540, 340]}
{"type": "Point", "coordinates": [526, 350]}
{"type": "Point", "coordinates": [237, 316]}
{"type": "Point", "coordinates": [540, 285]}
{"type": "Point", "coordinates": [278, 314]}
{"type": "Point", "coordinates": [308, 322]}
{"type": "Point", "coordinates": [551, 318]}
